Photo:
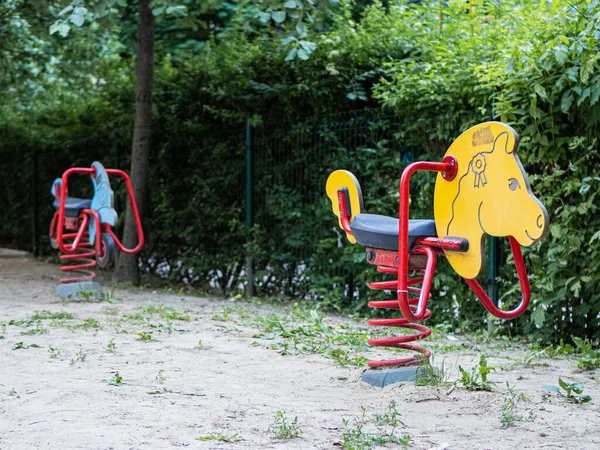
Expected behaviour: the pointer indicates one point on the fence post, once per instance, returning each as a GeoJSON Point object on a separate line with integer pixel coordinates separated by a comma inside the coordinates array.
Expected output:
{"type": "Point", "coordinates": [34, 202]}
{"type": "Point", "coordinates": [249, 206]}
{"type": "Point", "coordinates": [493, 252]}
{"type": "Point", "coordinates": [115, 149]}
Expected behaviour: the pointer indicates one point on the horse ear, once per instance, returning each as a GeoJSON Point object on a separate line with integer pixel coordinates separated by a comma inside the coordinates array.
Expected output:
{"type": "Point", "coordinates": [501, 143]}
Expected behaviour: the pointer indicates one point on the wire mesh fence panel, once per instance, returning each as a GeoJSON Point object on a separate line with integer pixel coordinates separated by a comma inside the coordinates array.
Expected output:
{"type": "Point", "coordinates": [299, 249]}
{"type": "Point", "coordinates": [17, 223]}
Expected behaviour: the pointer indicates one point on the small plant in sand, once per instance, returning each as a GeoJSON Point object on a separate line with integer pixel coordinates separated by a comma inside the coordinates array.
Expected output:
{"type": "Point", "coordinates": [88, 296]}
{"type": "Point", "coordinates": [589, 358]}
{"type": "Point", "coordinates": [79, 356]}
{"type": "Point", "coordinates": [45, 315]}
{"type": "Point", "coordinates": [200, 345]}
{"type": "Point", "coordinates": [283, 429]}
{"type": "Point", "coordinates": [508, 414]}
{"type": "Point", "coordinates": [88, 324]}
{"type": "Point", "coordinates": [53, 352]}
{"type": "Point", "coordinates": [111, 311]}
{"type": "Point", "coordinates": [111, 346]}
{"type": "Point", "coordinates": [115, 380]}
{"type": "Point", "coordinates": [38, 329]}
{"type": "Point", "coordinates": [109, 297]}
{"type": "Point", "coordinates": [377, 430]}
{"type": "Point", "coordinates": [12, 392]}
{"type": "Point", "coordinates": [144, 336]}
{"type": "Point", "coordinates": [160, 377]}
{"type": "Point", "coordinates": [428, 375]}
{"type": "Point", "coordinates": [572, 391]}
{"type": "Point", "coordinates": [219, 437]}
{"type": "Point", "coordinates": [476, 379]}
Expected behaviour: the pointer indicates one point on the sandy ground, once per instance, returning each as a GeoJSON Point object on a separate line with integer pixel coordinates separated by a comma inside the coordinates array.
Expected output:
{"type": "Point", "coordinates": [231, 387]}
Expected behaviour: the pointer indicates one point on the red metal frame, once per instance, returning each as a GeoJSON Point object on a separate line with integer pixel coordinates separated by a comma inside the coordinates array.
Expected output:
{"type": "Point", "coordinates": [79, 250]}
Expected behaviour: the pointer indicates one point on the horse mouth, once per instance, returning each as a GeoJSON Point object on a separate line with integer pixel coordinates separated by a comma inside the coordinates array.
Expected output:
{"type": "Point", "coordinates": [529, 236]}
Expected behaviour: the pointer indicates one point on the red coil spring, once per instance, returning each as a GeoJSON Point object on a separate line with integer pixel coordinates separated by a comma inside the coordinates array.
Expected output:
{"type": "Point", "coordinates": [85, 257]}
{"type": "Point", "coordinates": [403, 342]}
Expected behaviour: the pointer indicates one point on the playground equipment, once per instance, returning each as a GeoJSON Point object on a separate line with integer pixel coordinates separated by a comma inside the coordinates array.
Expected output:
{"type": "Point", "coordinates": [87, 225]}
{"type": "Point", "coordinates": [481, 189]}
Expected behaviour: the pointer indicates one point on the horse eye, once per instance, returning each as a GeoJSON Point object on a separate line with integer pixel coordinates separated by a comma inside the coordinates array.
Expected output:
{"type": "Point", "coordinates": [513, 184]}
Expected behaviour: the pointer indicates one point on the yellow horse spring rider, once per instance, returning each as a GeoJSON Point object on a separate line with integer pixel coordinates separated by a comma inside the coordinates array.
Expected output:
{"type": "Point", "coordinates": [481, 188]}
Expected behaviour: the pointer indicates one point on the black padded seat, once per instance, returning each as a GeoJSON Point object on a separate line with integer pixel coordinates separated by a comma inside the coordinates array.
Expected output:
{"type": "Point", "coordinates": [73, 205]}
{"type": "Point", "coordinates": [373, 230]}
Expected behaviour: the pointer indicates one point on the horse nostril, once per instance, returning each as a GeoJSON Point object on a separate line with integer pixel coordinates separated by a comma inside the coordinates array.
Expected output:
{"type": "Point", "coordinates": [540, 221]}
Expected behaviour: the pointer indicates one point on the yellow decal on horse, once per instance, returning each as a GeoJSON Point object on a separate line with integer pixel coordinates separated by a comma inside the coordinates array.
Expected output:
{"type": "Point", "coordinates": [489, 195]}
{"type": "Point", "coordinates": [343, 179]}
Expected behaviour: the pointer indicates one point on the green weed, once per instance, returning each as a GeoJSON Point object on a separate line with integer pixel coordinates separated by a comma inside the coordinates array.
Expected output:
{"type": "Point", "coordinates": [283, 429]}
{"type": "Point", "coordinates": [12, 392]}
{"type": "Point", "coordinates": [160, 377]}
{"type": "Point", "coordinates": [80, 356]}
{"type": "Point", "coordinates": [166, 312]}
{"type": "Point", "coordinates": [572, 391]}
{"type": "Point", "coordinates": [53, 352]}
{"type": "Point", "coordinates": [219, 437]}
{"type": "Point", "coordinates": [508, 414]}
{"type": "Point", "coordinates": [39, 329]}
{"type": "Point", "coordinates": [115, 380]}
{"type": "Point", "coordinates": [146, 337]}
{"type": "Point", "coordinates": [428, 375]}
{"type": "Point", "coordinates": [88, 324]}
{"type": "Point", "coordinates": [111, 311]}
{"type": "Point", "coordinates": [589, 358]}
{"type": "Point", "coordinates": [45, 315]}
{"type": "Point", "coordinates": [362, 436]}
{"type": "Point", "coordinates": [476, 379]}
{"type": "Point", "coordinates": [111, 346]}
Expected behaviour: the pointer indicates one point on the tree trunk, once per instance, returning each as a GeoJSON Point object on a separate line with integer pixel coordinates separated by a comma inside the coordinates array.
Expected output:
{"type": "Point", "coordinates": [127, 267]}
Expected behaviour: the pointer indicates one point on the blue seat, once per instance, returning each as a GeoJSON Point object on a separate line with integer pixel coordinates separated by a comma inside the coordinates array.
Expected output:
{"type": "Point", "coordinates": [73, 205]}
{"type": "Point", "coordinates": [373, 230]}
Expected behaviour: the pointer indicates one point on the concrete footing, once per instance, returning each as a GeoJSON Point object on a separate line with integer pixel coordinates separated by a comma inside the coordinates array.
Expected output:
{"type": "Point", "coordinates": [79, 290]}
{"type": "Point", "coordinates": [383, 378]}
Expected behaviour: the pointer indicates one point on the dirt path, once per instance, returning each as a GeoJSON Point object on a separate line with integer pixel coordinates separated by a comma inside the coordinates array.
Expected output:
{"type": "Point", "coordinates": [229, 386]}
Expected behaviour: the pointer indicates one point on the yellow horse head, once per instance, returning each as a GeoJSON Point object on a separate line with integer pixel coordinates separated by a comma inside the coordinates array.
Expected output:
{"type": "Point", "coordinates": [489, 195]}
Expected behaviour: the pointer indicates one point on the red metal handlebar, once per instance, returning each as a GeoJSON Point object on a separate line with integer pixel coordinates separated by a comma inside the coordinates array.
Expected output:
{"type": "Point", "coordinates": [61, 213]}
{"type": "Point", "coordinates": [403, 301]}
{"type": "Point", "coordinates": [134, 210]}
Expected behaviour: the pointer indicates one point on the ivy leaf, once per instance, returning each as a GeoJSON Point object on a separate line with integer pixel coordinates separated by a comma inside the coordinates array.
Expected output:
{"type": "Point", "coordinates": [302, 54]}
{"type": "Point", "coordinates": [278, 16]}
{"type": "Point", "coordinates": [292, 54]}
{"type": "Point", "coordinates": [301, 29]}
{"type": "Point", "coordinates": [560, 54]}
{"type": "Point", "coordinates": [541, 92]}
{"type": "Point", "coordinates": [66, 10]}
{"type": "Point", "coordinates": [78, 16]}
{"type": "Point", "coordinates": [538, 316]}
{"type": "Point", "coordinates": [290, 4]}
{"type": "Point", "coordinates": [566, 101]}
{"type": "Point", "coordinates": [158, 11]}
{"type": "Point", "coordinates": [61, 27]}
{"type": "Point", "coordinates": [177, 11]}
